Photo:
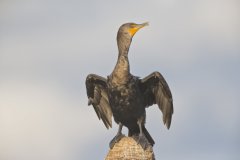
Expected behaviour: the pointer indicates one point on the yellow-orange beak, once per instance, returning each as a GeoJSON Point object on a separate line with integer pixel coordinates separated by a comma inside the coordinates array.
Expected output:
{"type": "Point", "coordinates": [136, 27]}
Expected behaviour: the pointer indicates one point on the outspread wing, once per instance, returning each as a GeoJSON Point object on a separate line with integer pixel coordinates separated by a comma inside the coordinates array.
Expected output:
{"type": "Point", "coordinates": [156, 91]}
{"type": "Point", "coordinates": [98, 98]}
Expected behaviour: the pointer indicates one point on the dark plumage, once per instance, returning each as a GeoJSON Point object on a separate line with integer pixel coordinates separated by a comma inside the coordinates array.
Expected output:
{"type": "Point", "coordinates": [126, 96]}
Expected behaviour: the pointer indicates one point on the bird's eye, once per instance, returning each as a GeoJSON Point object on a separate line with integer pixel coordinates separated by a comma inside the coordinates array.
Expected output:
{"type": "Point", "coordinates": [132, 25]}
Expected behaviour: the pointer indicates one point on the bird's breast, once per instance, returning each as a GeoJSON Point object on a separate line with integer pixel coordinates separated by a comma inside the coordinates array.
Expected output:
{"type": "Point", "coordinates": [126, 100]}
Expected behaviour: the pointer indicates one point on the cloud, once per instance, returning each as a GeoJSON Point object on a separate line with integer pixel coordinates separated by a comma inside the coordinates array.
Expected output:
{"type": "Point", "coordinates": [41, 121]}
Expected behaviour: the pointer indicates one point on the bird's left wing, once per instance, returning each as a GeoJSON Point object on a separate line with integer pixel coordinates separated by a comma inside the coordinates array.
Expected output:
{"type": "Point", "coordinates": [97, 97]}
{"type": "Point", "coordinates": [156, 91]}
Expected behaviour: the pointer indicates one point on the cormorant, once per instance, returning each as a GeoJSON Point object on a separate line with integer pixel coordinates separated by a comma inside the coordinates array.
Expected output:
{"type": "Point", "coordinates": [125, 96]}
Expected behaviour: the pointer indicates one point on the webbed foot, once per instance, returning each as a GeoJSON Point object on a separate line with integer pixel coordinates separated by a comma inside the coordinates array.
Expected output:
{"type": "Point", "coordinates": [142, 140]}
{"type": "Point", "coordinates": [116, 139]}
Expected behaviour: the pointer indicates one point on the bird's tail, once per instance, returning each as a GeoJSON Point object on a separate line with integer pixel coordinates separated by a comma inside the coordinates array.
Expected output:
{"type": "Point", "coordinates": [133, 131]}
{"type": "Point", "coordinates": [148, 136]}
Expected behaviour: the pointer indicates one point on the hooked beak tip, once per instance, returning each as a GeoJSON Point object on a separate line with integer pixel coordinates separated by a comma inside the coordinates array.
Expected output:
{"type": "Point", "coordinates": [145, 24]}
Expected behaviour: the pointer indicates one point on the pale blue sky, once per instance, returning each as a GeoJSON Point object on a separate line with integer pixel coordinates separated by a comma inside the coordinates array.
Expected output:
{"type": "Point", "coordinates": [48, 47]}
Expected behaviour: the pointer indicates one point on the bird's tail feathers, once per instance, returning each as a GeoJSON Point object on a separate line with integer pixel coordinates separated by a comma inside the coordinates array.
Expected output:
{"type": "Point", "coordinates": [134, 131]}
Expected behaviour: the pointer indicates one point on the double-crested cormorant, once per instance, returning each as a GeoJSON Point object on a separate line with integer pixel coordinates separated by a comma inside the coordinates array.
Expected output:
{"type": "Point", "coordinates": [126, 96]}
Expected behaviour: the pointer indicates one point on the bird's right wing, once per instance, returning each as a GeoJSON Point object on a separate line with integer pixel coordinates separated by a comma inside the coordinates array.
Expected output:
{"type": "Point", "coordinates": [97, 97]}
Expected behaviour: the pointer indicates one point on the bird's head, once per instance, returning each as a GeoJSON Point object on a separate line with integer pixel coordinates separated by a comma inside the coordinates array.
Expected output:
{"type": "Point", "coordinates": [129, 29]}
{"type": "Point", "coordinates": [125, 34]}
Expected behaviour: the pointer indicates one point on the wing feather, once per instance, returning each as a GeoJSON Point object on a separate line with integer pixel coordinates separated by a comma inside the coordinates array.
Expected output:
{"type": "Point", "coordinates": [97, 94]}
{"type": "Point", "coordinates": [156, 91]}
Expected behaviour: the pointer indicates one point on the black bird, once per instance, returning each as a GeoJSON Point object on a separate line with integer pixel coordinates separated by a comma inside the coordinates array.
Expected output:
{"type": "Point", "coordinates": [126, 96]}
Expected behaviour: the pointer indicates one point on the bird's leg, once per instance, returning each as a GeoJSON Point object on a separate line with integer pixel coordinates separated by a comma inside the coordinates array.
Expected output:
{"type": "Point", "coordinates": [141, 139]}
{"type": "Point", "coordinates": [118, 137]}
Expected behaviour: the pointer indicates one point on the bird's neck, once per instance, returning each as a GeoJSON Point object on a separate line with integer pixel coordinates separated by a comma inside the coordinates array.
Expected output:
{"type": "Point", "coordinates": [123, 46]}
{"type": "Point", "coordinates": [122, 67]}
{"type": "Point", "coordinates": [121, 72]}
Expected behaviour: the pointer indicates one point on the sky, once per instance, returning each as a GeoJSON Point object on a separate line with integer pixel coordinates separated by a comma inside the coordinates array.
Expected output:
{"type": "Point", "coordinates": [48, 47]}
